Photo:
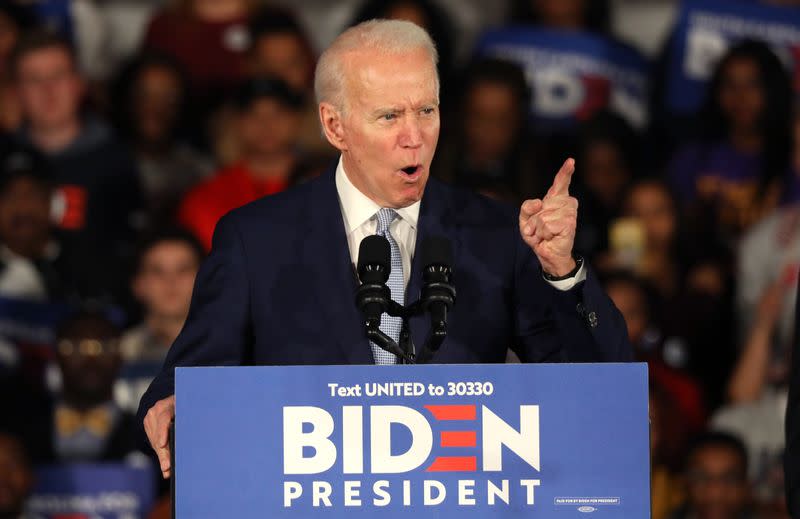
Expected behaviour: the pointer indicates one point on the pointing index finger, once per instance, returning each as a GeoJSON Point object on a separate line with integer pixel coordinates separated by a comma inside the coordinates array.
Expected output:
{"type": "Point", "coordinates": [563, 178]}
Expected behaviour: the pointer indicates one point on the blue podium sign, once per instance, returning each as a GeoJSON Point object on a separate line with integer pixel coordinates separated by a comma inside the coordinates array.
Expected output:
{"type": "Point", "coordinates": [515, 440]}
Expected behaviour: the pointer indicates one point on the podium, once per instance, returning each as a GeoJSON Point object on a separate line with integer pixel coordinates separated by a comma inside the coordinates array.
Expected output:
{"type": "Point", "coordinates": [425, 441]}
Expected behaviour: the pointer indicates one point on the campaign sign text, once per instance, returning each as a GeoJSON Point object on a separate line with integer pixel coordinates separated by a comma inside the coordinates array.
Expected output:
{"type": "Point", "coordinates": [523, 440]}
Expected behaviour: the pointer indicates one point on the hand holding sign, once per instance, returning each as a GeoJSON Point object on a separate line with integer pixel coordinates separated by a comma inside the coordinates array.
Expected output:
{"type": "Point", "coordinates": [548, 225]}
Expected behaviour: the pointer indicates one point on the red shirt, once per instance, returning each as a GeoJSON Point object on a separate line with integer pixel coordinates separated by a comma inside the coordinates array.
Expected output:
{"type": "Point", "coordinates": [229, 188]}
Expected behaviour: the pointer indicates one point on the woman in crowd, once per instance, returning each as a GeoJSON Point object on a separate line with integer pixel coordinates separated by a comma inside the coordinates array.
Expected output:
{"type": "Point", "coordinates": [487, 147]}
{"type": "Point", "coordinates": [733, 172]}
{"type": "Point", "coordinates": [151, 108]}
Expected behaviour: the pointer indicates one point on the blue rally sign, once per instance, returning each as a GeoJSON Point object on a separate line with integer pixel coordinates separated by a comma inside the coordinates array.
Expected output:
{"type": "Point", "coordinates": [96, 491]}
{"type": "Point", "coordinates": [516, 440]}
{"type": "Point", "coordinates": [573, 75]}
{"type": "Point", "coordinates": [704, 32]}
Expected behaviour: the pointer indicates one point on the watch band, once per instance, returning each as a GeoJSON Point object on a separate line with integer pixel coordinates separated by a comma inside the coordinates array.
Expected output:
{"type": "Point", "coordinates": [570, 274]}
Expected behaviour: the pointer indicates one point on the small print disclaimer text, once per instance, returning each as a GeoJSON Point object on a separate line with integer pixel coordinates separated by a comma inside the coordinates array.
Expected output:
{"type": "Point", "coordinates": [587, 501]}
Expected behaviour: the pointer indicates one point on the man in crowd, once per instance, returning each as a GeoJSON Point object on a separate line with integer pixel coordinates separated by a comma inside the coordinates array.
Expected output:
{"type": "Point", "coordinates": [267, 124]}
{"type": "Point", "coordinates": [716, 478]}
{"type": "Point", "coordinates": [167, 264]}
{"type": "Point", "coordinates": [279, 283]}
{"type": "Point", "coordinates": [97, 197]}
{"type": "Point", "coordinates": [83, 424]}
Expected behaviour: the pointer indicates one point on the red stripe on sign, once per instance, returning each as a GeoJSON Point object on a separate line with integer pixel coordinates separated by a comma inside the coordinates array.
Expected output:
{"type": "Point", "coordinates": [452, 412]}
{"type": "Point", "coordinates": [459, 439]}
{"type": "Point", "coordinates": [454, 464]}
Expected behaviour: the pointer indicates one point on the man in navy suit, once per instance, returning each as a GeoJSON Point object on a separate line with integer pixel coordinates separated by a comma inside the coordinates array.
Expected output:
{"type": "Point", "coordinates": [279, 284]}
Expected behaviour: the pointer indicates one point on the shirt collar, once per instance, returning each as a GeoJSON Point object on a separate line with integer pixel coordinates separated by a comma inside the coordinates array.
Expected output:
{"type": "Point", "coordinates": [357, 207]}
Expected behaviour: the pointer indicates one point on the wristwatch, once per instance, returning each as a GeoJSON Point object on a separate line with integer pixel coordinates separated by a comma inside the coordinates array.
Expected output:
{"type": "Point", "coordinates": [570, 274]}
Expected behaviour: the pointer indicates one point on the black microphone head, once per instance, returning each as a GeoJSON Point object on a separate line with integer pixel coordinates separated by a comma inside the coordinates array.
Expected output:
{"type": "Point", "coordinates": [436, 251]}
{"type": "Point", "coordinates": [374, 258]}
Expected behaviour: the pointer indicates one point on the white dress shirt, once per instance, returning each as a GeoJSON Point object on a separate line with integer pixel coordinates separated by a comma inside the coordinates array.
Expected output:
{"type": "Point", "coordinates": [358, 212]}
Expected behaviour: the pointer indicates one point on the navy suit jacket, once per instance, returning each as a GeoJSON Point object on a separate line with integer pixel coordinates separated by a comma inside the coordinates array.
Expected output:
{"type": "Point", "coordinates": [279, 289]}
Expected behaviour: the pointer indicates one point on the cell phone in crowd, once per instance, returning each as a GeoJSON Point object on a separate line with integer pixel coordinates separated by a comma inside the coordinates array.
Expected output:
{"type": "Point", "coordinates": [627, 242]}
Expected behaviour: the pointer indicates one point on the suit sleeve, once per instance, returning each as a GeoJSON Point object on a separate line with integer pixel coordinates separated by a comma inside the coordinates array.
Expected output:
{"type": "Point", "coordinates": [218, 330]}
{"type": "Point", "coordinates": [576, 325]}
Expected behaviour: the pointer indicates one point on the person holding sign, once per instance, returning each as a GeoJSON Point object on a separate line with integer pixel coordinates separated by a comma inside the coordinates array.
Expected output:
{"type": "Point", "coordinates": [278, 286]}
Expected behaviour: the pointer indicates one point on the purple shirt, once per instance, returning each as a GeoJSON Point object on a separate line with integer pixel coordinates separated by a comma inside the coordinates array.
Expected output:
{"type": "Point", "coordinates": [720, 160]}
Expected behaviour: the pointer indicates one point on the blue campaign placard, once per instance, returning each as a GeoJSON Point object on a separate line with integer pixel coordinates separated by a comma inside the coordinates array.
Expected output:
{"type": "Point", "coordinates": [573, 75]}
{"type": "Point", "coordinates": [99, 490]}
{"type": "Point", "coordinates": [706, 29]}
{"type": "Point", "coordinates": [513, 440]}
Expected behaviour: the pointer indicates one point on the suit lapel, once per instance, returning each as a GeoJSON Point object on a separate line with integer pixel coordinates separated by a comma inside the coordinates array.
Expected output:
{"type": "Point", "coordinates": [435, 219]}
{"type": "Point", "coordinates": [326, 248]}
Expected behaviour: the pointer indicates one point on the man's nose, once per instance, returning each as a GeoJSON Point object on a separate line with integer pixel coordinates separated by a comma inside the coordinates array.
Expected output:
{"type": "Point", "coordinates": [411, 133]}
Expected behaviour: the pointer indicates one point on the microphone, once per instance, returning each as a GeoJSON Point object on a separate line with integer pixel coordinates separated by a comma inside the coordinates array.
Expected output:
{"type": "Point", "coordinates": [373, 297]}
{"type": "Point", "coordinates": [374, 266]}
{"type": "Point", "coordinates": [438, 293]}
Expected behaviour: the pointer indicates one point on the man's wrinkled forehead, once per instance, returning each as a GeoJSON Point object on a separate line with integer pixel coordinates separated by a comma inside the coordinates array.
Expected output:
{"type": "Point", "coordinates": [363, 69]}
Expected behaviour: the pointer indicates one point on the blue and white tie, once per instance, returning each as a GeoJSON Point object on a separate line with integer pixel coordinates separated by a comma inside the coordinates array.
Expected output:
{"type": "Point", "coordinates": [390, 325]}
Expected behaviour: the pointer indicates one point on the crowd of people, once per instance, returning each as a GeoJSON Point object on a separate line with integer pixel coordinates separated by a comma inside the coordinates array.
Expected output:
{"type": "Point", "coordinates": [116, 166]}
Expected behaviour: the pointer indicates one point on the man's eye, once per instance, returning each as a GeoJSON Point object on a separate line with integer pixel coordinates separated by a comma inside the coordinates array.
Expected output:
{"type": "Point", "coordinates": [428, 111]}
{"type": "Point", "coordinates": [389, 117]}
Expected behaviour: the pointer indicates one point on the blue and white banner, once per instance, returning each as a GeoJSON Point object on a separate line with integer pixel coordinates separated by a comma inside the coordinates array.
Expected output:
{"type": "Point", "coordinates": [706, 29]}
{"type": "Point", "coordinates": [573, 75]}
{"type": "Point", "coordinates": [87, 491]}
{"type": "Point", "coordinates": [469, 441]}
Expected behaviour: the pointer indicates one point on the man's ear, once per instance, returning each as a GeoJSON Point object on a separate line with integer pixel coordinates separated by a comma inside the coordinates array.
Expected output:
{"type": "Point", "coordinates": [332, 125]}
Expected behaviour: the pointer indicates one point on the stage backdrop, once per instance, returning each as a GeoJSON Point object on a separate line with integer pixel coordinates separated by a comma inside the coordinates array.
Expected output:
{"type": "Point", "coordinates": [472, 441]}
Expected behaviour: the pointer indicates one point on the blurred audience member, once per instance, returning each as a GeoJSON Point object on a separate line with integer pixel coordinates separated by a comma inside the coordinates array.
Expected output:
{"type": "Point", "coordinates": [488, 148]}
{"type": "Point", "coordinates": [770, 253]}
{"type": "Point", "coordinates": [151, 110]}
{"type": "Point", "coordinates": [268, 115]}
{"type": "Point", "coordinates": [167, 264]}
{"type": "Point", "coordinates": [765, 359]}
{"type": "Point", "coordinates": [647, 240]}
{"type": "Point", "coordinates": [16, 477]}
{"type": "Point", "coordinates": [570, 15]}
{"type": "Point", "coordinates": [666, 356]}
{"type": "Point", "coordinates": [209, 38]}
{"type": "Point", "coordinates": [280, 47]}
{"type": "Point", "coordinates": [608, 158]}
{"type": "Point", "coordinates": [427, 14]}
{"type": "Point", "coordinates": [769, 257]}
{"type": "Point", "coordinates": [84, 424]}
{"type": "Point", "coordinates": [716, 479]}
{"type": "Point", "coordinates": [668, 436]}
{"type": "Point", "coordinates": [14, 20]}
{"type": "Point", "coordinates": [97, 198]}
{"type": "Point", "coordinates": [692, 279]}
{"type": "Point", "coordinates": [734, 172]}
{"type": "Point", "coordinates": [31, 260]}
{"type": "Point", "coordinates": [760, 424]}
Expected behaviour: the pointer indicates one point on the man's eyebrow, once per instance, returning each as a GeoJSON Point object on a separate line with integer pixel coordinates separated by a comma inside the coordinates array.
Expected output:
{"type": "Point", "coordinates": [386, 110]}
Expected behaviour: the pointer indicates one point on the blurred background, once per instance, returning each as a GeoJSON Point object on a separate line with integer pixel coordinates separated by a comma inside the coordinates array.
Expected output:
{"type": "Point", "coordinates": [129, 127]}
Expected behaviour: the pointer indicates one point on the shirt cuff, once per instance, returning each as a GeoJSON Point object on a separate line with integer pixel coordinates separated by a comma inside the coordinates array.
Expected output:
{"type": "Point", "coordinates": [567, 284]}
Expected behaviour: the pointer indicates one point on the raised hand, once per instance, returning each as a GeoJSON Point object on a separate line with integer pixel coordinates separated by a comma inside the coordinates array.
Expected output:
{"type": "Point", "coordinates": [548, 225]}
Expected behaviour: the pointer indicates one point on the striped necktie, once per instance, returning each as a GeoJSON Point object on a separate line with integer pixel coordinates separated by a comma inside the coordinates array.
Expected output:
{"type": "Point", "coordinates": [390, 325]}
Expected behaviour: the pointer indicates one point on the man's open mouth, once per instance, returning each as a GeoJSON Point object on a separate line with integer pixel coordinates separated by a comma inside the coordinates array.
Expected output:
{"type": "Point", "coordinates": [410, 170]}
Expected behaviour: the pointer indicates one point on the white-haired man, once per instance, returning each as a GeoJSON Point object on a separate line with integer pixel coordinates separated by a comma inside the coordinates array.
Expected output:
{"type": "Point", "coordinates": [279, 285]}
